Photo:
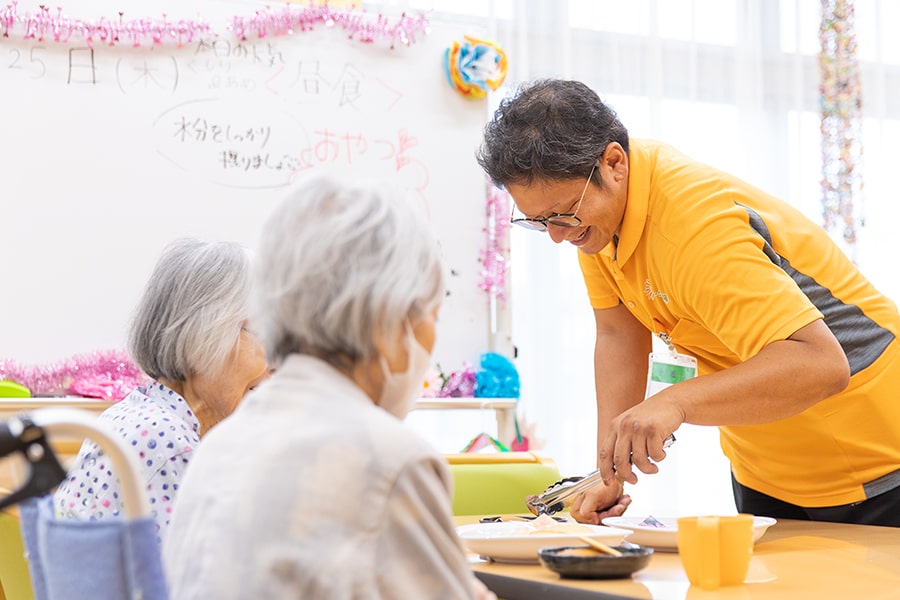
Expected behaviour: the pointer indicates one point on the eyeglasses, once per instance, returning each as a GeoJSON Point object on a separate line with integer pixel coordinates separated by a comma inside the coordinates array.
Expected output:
{"type": "Point", "coordinates": [559, 219]}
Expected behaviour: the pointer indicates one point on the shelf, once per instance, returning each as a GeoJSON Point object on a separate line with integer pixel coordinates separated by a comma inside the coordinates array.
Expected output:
{"type": "Point", "coordinates": [505, 410]}
{"type": "Point", "coordinates": [94, 404]}
{"type": "Point", "coordinates": [470, 403]}
{"type": "Point", "coordinates": [14, 405]}
{"type": "Point", "coordinates": [505, 407]}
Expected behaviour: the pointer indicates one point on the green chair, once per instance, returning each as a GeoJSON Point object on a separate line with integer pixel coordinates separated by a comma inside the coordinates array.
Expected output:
{"type": "Point", "coordinates": [498, 483]}
{"type": "Point", "coordinates": [15, 582]}
{"type": "Point", "coordinates": [11, 389]}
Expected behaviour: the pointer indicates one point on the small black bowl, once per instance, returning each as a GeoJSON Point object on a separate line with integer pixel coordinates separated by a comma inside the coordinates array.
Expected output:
{"type": "Point", "coordinates": [582, 562]}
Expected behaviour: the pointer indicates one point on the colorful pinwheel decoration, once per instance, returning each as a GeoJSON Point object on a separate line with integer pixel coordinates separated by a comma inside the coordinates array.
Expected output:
{"type": "Point", "coordinates": [475, 65]}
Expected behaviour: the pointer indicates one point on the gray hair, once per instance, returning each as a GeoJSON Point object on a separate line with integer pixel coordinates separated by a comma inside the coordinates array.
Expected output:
{"type": "Point", "coordinates": [192, 309]}
{"type": "Point", "coordinates": [338, 262]}
{"type": "Point", "coordinates": [548, 130]}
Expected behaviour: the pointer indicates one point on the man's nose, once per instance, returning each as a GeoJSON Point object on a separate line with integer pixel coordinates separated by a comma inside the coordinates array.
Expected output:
{"type": "Point", "coordinates": [557, 233]}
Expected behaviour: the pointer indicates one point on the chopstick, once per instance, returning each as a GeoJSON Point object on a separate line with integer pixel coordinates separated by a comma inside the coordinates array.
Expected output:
{"type": "Point", "coordinates": [597, 545]}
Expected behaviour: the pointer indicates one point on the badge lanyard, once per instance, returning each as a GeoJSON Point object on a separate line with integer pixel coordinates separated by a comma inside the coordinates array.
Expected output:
{"type": "Point", "coordinates": [667, 368]}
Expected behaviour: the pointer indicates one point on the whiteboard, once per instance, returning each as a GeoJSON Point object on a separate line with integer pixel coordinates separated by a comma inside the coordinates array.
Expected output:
{"type": "Point", "coordinates": [110, 153]}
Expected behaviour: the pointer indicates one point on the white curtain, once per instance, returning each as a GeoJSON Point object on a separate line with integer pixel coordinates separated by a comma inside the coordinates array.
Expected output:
{"type": "Point", "coordinates": [734, 83]}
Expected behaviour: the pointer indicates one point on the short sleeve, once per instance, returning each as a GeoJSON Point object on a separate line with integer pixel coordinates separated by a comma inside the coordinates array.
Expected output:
{"type": "Point", "coordinates": [600, 293]}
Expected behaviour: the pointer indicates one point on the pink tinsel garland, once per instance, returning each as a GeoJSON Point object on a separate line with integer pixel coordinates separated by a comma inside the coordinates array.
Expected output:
{"type": "Point", "coordinates": [493, 257]}
{"type": "Point", "coordinates": [357, 23]}
{"type": "Point", "coordinates": [109, 375]}
{"type": "Point", "coordinates": [47, 24]}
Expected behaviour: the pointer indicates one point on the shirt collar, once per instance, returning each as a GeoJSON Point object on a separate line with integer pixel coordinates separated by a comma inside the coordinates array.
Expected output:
{"type": "Point", "coordinates": [316, 374]}
{"type": "Point", "coordinates": [640, 165]}
{"type": "Point", "coordinates": [172, 400]}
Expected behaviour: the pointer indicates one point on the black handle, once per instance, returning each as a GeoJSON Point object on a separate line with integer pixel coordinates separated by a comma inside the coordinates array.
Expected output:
{"type": "Point", "coordinates": [45, 472]}
{"type": "Point", "coordinates": [9, 442]}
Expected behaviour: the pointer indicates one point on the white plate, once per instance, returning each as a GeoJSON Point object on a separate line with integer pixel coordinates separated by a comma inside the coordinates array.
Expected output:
{"type": "Point", "coordinates": [518, 541]}
{"type": "Point", "coordinates": [666, 538]}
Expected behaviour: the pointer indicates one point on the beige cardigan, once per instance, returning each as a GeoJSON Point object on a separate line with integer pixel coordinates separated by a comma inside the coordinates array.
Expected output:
{"type": "Point", "coordinates": [311, 491]}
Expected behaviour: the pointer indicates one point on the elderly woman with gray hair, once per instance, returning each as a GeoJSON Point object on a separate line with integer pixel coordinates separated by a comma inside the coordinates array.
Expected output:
{"type": "Point", "coordinates": [314, 488]}
{"type": "Point", "coordinates": [189, 334]}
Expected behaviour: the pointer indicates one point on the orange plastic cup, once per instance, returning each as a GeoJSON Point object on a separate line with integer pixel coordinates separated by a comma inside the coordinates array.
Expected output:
{"type": "Point", "coordinates": [715, 551]}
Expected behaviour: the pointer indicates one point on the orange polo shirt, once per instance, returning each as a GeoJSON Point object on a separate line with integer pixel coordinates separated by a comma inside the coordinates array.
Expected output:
{"type": "Point", "coordinates": [725, 269]}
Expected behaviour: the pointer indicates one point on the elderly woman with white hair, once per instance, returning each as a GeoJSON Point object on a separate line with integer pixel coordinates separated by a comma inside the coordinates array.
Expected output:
{"type": "Point", "coordinates": [189, 334]}
{"type": "Point", "coordinates": [314, 488]}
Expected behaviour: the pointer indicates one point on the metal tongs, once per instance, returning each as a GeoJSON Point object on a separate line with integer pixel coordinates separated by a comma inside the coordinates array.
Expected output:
{"type": "Point", "coordinates": [561, 494]}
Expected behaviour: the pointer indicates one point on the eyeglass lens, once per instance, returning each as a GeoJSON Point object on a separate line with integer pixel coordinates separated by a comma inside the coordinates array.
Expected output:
{"type": "Point", "coordinates": [560, 220]}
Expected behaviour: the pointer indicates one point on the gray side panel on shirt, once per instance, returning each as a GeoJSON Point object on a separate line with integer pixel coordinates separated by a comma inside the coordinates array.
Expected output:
{"type": "Point", "coordinates": [862, 339]}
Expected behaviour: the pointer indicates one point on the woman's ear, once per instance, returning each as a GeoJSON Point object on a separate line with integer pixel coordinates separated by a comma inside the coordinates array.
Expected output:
{"type": "Point", "coordinates": [393, 352]}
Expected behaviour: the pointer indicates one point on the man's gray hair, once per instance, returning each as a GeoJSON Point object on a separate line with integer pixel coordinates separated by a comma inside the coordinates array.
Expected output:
{"type": "Point", "coordinates": [192, 309]}
{"type": "Point", "coordinates": [548, 130]}
{"type": "Point", "coordinates": [338, 262]}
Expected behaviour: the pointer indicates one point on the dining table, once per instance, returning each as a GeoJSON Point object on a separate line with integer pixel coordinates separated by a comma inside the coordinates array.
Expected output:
{"type": "Point", "coordinates": [793, 560]}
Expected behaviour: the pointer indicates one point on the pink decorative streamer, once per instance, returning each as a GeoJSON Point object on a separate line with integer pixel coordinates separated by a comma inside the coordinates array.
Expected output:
{"type": "Point", "coordinates": [841, 118]}
{"type": "Point", "coordinates": [358, 24]}
{"type": "Point", "coordinates": [494, 256]}
{"type": "Point", "coordinates": [108, 375]}
{"type": "Point", "coordinates": [46, 24]}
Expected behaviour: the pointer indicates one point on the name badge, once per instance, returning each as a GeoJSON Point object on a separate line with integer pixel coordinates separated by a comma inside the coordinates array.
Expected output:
{"type": "Point", "coordinates": [669, 368]}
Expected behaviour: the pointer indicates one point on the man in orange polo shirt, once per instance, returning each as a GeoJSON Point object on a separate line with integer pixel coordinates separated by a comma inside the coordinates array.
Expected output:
{"type": "Point", "coordinates": [795, 350]}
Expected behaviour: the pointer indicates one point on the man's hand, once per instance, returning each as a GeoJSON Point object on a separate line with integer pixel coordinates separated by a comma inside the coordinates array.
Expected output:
{"type": "Point", "coordinates": [600, 501]}
{"type": "Point", "coordinates": [637, 438]}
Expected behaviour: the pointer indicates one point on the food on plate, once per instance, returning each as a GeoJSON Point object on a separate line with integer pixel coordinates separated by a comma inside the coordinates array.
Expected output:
{"type": "Point", "coordinates": [545, 524]}
{"type": "Point", "coordinates": [577, 551]}
{"type": "Point", "coordinates": [564, 528]}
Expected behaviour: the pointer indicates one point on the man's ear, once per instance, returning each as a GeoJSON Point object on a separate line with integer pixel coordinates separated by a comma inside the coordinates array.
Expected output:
{"type": "Point", "coordinates": [615, 159]}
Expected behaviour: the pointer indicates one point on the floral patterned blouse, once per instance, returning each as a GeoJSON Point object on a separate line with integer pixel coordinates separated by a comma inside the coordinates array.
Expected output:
{"type": "Point", "coordinates": [162, 429]}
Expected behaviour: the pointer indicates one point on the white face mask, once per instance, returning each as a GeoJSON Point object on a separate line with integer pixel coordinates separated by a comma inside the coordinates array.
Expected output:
{"type": "Point", "coordinates": [401, 390]}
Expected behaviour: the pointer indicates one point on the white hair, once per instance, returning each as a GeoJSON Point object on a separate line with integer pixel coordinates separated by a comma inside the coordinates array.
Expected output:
{"type": "Point", "coordinates": [338, 262]}
{"type": "Point", "coordinates": [192, 309]}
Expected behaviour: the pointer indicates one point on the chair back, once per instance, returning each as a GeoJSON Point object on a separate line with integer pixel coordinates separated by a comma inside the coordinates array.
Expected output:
{"type": "Point", "coordinates": [105, 559]}
{"type": "Point", "coordinates": [91, 560]}
{"type": "Point", "coordinates": [498, 483]}
{"type": "Point", "coordinates": [15, 583]}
